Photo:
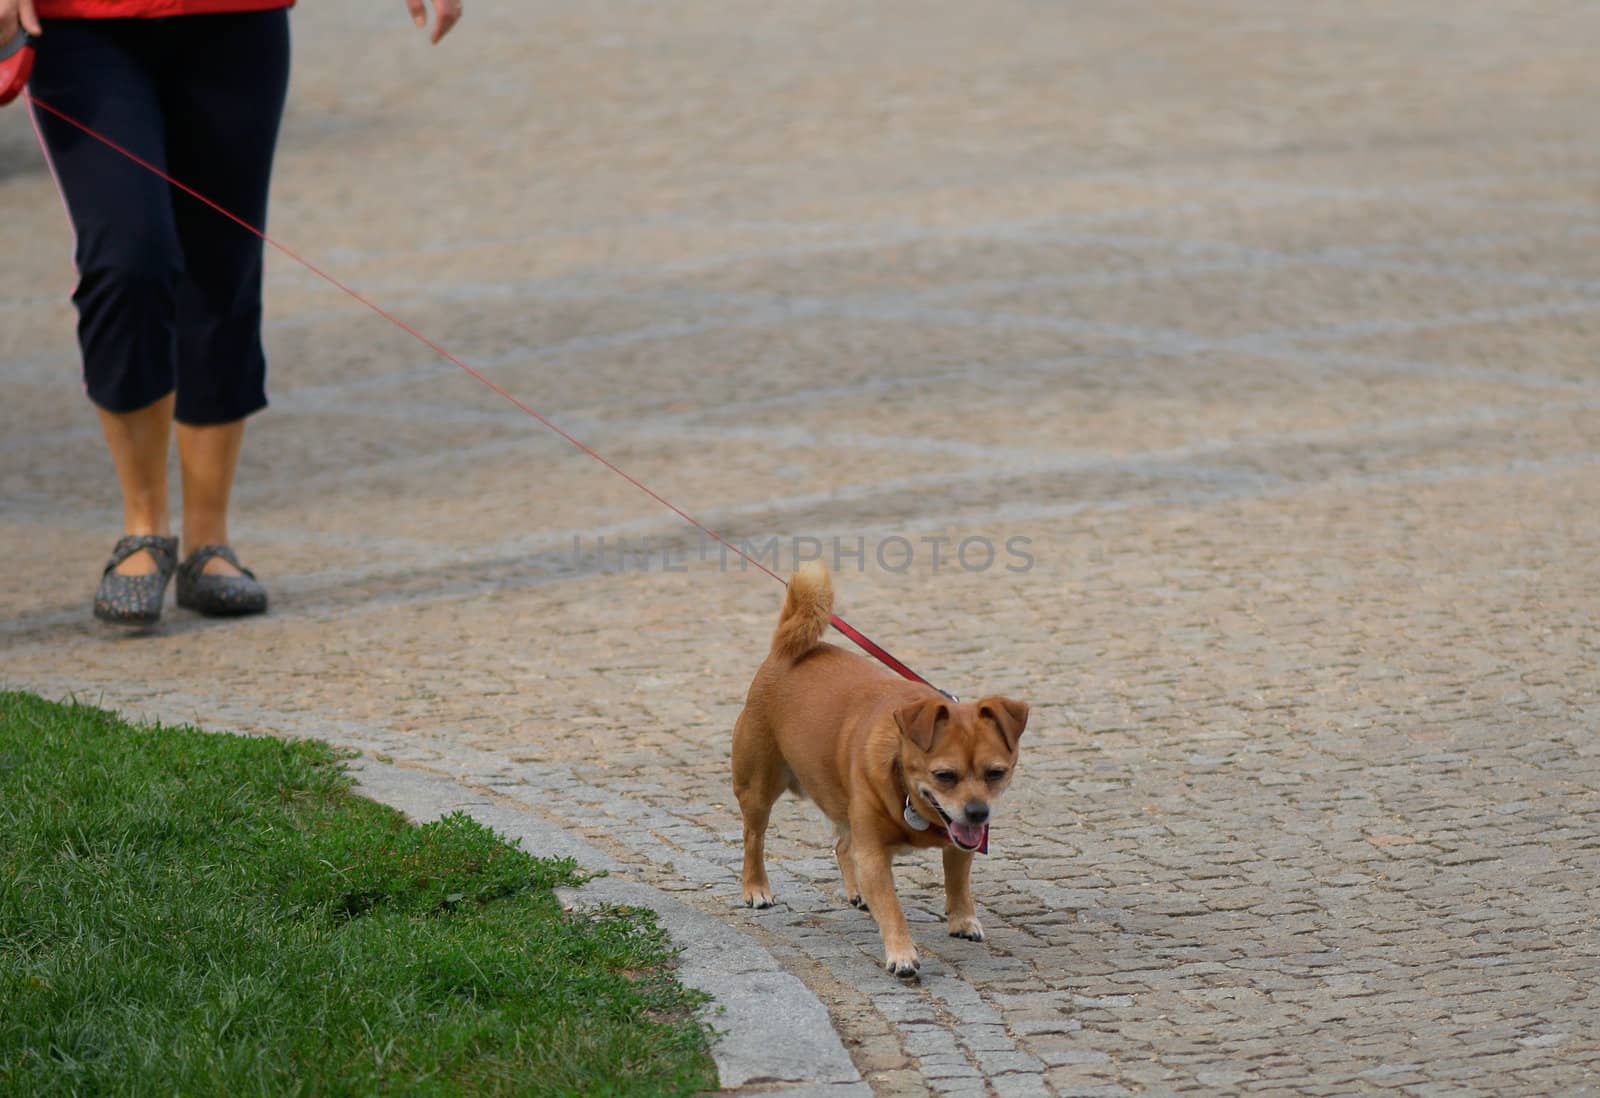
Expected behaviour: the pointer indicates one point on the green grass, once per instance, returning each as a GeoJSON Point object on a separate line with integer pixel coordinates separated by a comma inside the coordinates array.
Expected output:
{"type": "Point", "coordinates": [195, 914]}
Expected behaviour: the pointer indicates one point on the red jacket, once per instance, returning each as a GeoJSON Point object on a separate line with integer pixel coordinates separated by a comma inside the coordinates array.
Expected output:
{"type": "Point", "coordinates": [146, 9]}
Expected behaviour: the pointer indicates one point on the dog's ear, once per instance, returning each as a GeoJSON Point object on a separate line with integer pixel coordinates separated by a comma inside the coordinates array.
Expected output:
{"type": "Point", "coordinates": [921, 722]}
{"type": "Point", "coordinates": [1009, 715]}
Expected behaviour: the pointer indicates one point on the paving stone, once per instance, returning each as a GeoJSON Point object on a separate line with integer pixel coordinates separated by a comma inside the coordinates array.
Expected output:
{"type": "Point", "coordinates": [1019, 1086]}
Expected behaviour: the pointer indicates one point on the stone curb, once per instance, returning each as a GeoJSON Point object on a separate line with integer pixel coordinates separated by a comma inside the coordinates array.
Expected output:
{"type": "Point", "coordinates": [774, 1035]}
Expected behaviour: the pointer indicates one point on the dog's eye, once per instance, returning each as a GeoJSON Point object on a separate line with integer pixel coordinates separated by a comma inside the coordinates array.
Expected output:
{"type": "Point", "coordinates": [945, 777]}
{"type": "Point", "coordinates": [995, 775]}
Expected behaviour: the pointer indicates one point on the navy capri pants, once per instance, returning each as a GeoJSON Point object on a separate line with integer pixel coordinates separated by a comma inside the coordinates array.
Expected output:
{"type": "Point", "coordinates": [169, 290]}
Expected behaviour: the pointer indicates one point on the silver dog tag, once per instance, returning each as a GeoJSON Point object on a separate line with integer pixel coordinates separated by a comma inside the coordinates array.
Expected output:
{"type": "Point", "coordinates": [914, 818]}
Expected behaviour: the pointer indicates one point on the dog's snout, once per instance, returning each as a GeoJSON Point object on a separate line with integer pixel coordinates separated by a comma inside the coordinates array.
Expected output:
{"type": "Point", "coordinates": [977, 812]}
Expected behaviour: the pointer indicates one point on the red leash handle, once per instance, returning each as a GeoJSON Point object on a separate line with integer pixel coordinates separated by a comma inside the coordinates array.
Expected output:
{"type": "Point", "coordinates": [868, 645]}
{"type": "Point", "coordinates": [16, 64]}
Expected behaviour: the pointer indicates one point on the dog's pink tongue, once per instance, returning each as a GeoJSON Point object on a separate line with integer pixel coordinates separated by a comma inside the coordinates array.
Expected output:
{"type": "Point", "coordinates": [970, 836]}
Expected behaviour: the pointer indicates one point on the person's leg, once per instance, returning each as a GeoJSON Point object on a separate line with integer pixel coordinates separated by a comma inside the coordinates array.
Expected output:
{"type": "Point", "coordinates": [126, 251]}
{"type": "Point", "coordinates": [138, 445]}
{"type": "Point", "coordinates": [225, 100]}
{"type": "Point", "coordinates": [208, 456]}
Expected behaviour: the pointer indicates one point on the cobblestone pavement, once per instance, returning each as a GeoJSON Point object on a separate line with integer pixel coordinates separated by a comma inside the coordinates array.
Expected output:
{"type": "Point", "coordinates": [1272, 328]}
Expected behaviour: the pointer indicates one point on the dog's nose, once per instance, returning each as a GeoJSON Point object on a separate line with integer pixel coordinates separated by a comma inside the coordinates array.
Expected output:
{"type": "Point", "coordinates": [977, 812]}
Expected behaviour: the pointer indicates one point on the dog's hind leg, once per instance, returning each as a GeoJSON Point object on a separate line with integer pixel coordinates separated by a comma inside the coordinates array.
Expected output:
{"type": "Point", "coordinates": [847, 870]}
{"type": "Point", "coordinates": [759, 779]}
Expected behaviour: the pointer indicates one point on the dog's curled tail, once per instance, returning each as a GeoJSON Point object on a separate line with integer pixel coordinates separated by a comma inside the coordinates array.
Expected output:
{"type": "Point", "coordinates": [807, 610]}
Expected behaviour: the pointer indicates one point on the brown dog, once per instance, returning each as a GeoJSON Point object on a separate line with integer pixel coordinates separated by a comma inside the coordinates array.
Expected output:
{"type": "Point", "coordinates": [893, 763]}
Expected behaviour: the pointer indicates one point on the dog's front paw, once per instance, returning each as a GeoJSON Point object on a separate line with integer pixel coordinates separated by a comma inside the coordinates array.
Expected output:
{"type": "Point", "coordinates": [970, 929]}
{"type": "Point", "coordinates": [758, 898]}
{"type": "Point", "coordinates": [904, 965]}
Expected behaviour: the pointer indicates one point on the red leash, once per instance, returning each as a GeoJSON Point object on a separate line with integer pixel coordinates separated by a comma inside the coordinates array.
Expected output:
{"type": "Point", "coordinates": [870, 646]}
{"type": "Point", "coordinates": [879, 653]}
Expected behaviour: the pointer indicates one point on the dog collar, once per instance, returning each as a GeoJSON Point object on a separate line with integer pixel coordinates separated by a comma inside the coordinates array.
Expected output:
{"type": "Point", "coordinates": [915, 820]}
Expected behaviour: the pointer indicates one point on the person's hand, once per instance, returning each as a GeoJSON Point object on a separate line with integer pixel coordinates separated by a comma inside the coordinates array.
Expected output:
{"type": "Point", "coordinates": [13, 12]}
{"type": "Point", "coordinates": [447, 13]}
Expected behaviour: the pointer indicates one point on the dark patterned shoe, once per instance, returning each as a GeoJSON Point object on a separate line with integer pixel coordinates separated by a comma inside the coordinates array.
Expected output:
{"type": "Point", "coordinates": [136, 600]}
{"type": "Point", "coordinates": [218, 596]}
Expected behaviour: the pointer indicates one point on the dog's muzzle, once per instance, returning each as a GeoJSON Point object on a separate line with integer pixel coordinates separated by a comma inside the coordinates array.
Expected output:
{"type": "Point", "coordinates": [972, 833]}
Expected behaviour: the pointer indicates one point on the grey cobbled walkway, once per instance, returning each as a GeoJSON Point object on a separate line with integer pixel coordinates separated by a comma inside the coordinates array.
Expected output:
{"type": "Point", "coordinates": [1224, 379]}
